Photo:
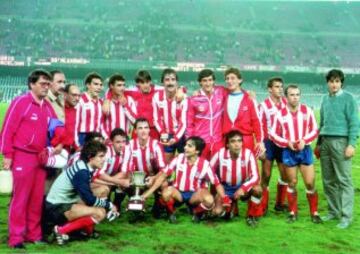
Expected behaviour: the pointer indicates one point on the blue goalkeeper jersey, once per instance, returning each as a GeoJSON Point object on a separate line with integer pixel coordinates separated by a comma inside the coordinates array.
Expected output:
{"type": "Point", "coordinates": [73, 185]}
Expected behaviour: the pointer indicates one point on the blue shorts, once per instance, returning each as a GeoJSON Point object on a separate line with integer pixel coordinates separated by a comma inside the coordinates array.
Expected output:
{"type": "Point", "coordinates": [81, 138]}
{"type": "Point", "coordinates": [293, 158]}
{"type": "Point", "coordinates": [186, 196]}
{"type": "Point", "coordinates": [230, 189]}
{"type": "Point", "coordinates": [179, 146]}
{"type": "Point", "coordinates": [273, 152]}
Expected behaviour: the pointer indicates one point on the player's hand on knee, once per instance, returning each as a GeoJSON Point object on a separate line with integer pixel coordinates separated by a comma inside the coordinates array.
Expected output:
{"type": "Point", "coordinates": [239, 193]}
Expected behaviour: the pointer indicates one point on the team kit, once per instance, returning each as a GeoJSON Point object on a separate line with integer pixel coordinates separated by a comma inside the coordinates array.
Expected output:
{"type": "Point", "coordinates": [78, 159]}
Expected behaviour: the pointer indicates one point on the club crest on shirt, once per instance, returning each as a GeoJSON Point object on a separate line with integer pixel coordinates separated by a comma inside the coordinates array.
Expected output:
{"type": "Point", "coordinates": [201, 108]}
{"type": "Point", "coordinates": [161, 104]}
{"type": "Point", "coordinates": [225, 162]}
{"type": "Point", "coordinates": [245, 108]}
{"type": "Point", "coordinates": [135, 153]}
{"type": "Point", "coordinates": [34, 117]}
{"type": "Point", "coordinates": [218, 101]}
{"type": "Point", "coordinates": [87, 106]}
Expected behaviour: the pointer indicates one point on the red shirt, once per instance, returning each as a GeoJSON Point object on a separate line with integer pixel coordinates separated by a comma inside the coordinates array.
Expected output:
{"type": "Point", "coordinates": [70, 119]}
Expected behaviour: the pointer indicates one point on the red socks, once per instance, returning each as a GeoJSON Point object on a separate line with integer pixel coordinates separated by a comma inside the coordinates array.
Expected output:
{"type": "Point", "coordinates": [281, 192]}
{"type": "Point", "coordinates": [292, 199]}
{"type": "Point", "coordinates": [255, 208]}
{"type": "Point", "coordinates": [86, 223]}
{"type": "Point", "coordinates": [312, 198]}
{"type": "Point", "coordinates": [265, 199]}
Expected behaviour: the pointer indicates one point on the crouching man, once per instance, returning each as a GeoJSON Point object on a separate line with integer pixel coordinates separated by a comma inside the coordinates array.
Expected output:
{"type": "Point", "coordinates": [191, 175]}
{"type": "Point", "coordinates": [70, 204]}
{"type": "Point", "coordinates": [237, 170]}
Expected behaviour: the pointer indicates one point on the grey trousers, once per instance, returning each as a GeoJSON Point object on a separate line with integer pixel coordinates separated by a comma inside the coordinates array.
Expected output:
{"type": "Point", "coordinates": [336, 177]}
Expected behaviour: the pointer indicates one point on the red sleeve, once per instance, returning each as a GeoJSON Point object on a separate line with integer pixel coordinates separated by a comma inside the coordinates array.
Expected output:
{"type": "Point", "coordinates": [10, 126]}
{"type": "Point", "coordinates": [190, 130]}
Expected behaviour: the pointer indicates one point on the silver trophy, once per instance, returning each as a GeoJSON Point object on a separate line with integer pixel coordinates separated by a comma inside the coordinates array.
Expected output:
{"type": "Point", "coordinates": [136, 203]}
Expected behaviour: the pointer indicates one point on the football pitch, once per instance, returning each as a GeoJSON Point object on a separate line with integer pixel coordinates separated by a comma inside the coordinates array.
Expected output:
{"type": "Point", "coordinates": [272, 235]}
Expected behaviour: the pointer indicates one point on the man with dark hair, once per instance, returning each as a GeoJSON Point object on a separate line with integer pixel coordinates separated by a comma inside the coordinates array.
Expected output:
{"type": "Point", "coordinates": [88, 112]}
{"type": "Point", "coordinates": [205, 113]}
{"type": "Point", "coordinates": [70, 204]}
{"type": "Point", "coordinates": [109, 175]}
{"type": "Point", "coordinates": [23, 137]}
{"type": "Point", "coordinates": [143, 153]}
{"type": "Point", "coordinates": [143, 95]}
{"type": "Point", "coordinates": [267, 110]}
{"type": "Point", "coordinates": [339, 131]}
{"type": "Point", "coordinates": [55, 93]}
{"type": "Point", "coordinates": [122, 107]}
{"type": "Point", "coordinates": [241, 113]}
{"type": "Point", "coordinates": [170, 115]}
{"type": "Point", "coordinates": [294, 129]}
{"type": "Point", "coordinates": [72, 98]}
{"type": "Point", "coordinates": [237, 170]}
{"type": "Point", "coordinates": [192, 172]}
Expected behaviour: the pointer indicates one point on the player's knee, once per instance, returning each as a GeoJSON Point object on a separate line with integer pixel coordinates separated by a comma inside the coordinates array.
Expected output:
{"type": "Point", "coordinates": [166, 194]}
{"type": "Point", "coordinates": [257, 191]}
{"type": "Point", "coordinates": [208, 200]}
{"type": "Point", "coordinates": [309, 186]}
{"type": "Point", "coordinates": [217, 210]}
{"type": "Point", "coordinates": [99, 214]}
{"type": "Point", "coordinates": [292, 182]}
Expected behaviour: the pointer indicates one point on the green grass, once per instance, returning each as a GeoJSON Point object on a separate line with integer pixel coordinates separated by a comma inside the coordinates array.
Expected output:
{"type": "Point", "coordinates": [273, 235]}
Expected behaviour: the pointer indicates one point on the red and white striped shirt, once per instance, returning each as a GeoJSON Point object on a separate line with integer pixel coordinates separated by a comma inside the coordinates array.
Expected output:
{"type": "Point", "coordinates": [267, 112]}
{"type": "Point", "coordinates": [149, 159]}
{"type": "Point", "coordinates": [169, 115]}
{"type": "Point", "coordinates": [191, 177]}
{"type": "Point", "coordinates": [112, 163]}
{"type": "Point", "coordinates": [294, 126]}
{"type": "Point", "coordinates": [121, 116]}
{"type": "Point", "coordinates": [241, 171]}
{"type": "Point", "coordinates": [88, 115]}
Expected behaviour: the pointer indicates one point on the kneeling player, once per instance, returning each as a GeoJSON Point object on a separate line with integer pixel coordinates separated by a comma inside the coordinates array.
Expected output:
{"type": "Point", "coordinates": [294, 129]}
{"type": "Point", "coordinates": [237, 169]}
{"type": "Point", "coordinates": [191, 174]}
{"type": "Point", "coordinates": [70, 204]}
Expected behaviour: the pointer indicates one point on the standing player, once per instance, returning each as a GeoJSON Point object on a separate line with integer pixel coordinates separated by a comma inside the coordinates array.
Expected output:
{"type": "Point", "coordinates": [339, 131]}
{"type": "Point", "coordinates": [88, 112]}
{"type": "Point", "coordinates": [205, 113]}
{"type": "Point", "coordinates": [267, 110]}
{"type": "Point", "coordinates": [241, 113]}
{"type": "Point", "coordinates": [23, 137]}
{"type": "Point", "coordinates": [294, 129]}
{"type": "Point", "coordinates": [70, 204]}
{"type": "Point", "coordinates": [122, 108]}
{"type": "Point", "coordinates": [237, 170]}
{"type": "Point", "coordinates": [143, 95]}
{"type": "Point", "coordinates": [170, 115]}
{"type": "Point", "coordinates": [192, 173]}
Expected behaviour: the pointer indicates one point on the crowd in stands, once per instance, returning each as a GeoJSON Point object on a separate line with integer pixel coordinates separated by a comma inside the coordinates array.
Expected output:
{"type": "Point", "coordinates": [140, 31]}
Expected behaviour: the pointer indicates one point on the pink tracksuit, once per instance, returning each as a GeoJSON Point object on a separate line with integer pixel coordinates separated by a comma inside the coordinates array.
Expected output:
{"type": "Point", "coordinates": [23, 136]}
{"type": "Point", "coordinates": [205, 117]}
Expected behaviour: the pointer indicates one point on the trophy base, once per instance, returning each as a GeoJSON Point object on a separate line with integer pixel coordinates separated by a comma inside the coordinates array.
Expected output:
{"type": "Point", "coordinates": [136, 206]}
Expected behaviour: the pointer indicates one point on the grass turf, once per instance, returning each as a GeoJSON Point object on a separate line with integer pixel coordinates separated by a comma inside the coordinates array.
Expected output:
{"type": "Point", "coordinates": [273, 234]}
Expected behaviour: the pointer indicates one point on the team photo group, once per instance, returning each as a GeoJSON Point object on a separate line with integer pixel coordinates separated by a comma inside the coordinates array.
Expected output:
{"type": "Point", "coordinates": [78, 158]}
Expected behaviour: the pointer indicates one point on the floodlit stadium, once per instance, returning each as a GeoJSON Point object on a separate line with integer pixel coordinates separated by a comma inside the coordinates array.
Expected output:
{"type": "Point", "coordinates": [299, 41]}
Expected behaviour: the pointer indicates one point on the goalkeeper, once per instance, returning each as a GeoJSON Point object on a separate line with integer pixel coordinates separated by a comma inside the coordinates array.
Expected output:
{"type": "Point", "coordinates": [70, 204]}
